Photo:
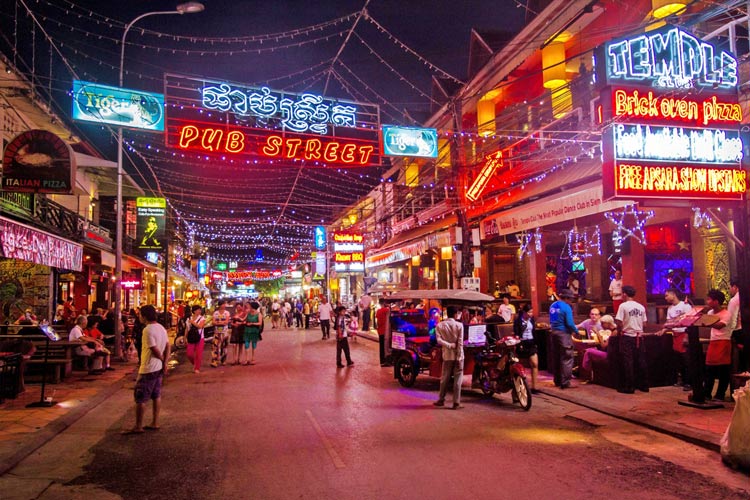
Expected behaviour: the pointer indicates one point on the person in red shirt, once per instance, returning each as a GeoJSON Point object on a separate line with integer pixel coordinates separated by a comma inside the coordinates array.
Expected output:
{"type": "Point", "coordinates": [382, 317]}
{"type": "Point", "coordinates": [93, 328]}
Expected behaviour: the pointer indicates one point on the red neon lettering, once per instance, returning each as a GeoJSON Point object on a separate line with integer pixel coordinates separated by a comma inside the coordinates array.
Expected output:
{"type": "Point", "coordinates": [188, 134]}
{"type": "Point", "coordinates": [235, 141]}
{"type": "Point", "coordinates": [292, 145]}
{"type": "Point", "coordinates": [633, 104]}
{"type": "Point", "coordinates": [312, 149]}
{"type": "Point", "coordinates": [364, 154]}
{"type": "Point", "coordinates": [347, 153]}
{"type": "Point", "coordinates": [331, 152]}
{"type": "Point", "coordinates": [211, 139]}
{"type": "Point", "coordinates": [273, 145]}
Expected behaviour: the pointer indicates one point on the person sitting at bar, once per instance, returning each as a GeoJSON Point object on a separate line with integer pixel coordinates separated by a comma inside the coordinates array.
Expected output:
{"type": "Point", "coordinates": [506, 309]}
{"type": "Point", "coordinates": [608, 329]}
{"type": "Point", "coordinates": [592, 324]}
{"type": "Point", "coordinates": [28, 315]}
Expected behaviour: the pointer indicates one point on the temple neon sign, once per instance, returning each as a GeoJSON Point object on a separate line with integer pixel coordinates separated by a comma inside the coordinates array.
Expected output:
{"type": "Point", "coordinates": [647, 105]}
{"type": "Point", "coordinates": [667, 58]}
{"type": "Point", "coordinates": [296, 113]}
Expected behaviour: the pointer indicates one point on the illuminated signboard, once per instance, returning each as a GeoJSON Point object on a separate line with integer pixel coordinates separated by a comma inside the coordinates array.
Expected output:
{"type": "Point", "coordinates": [21, 242]}
{"type": "Point", "coordinates": [220, 266]}
{"type": "Point", "coordinates": [216, 276]}
{"type": "Point", "coordinates": [254, 275]}
{"type": "Point", "coordinates": [668, 58]}
{"type": "Point", "coordinates": [97, 103]}
{"type": "Point", "coordinates": [232, 264]}
{"type": "Point", "coordinates": [202, 267]}
{"type": "Point", "coordinates": [151, 219]}
{"type": "Point", "coordinates": [152, 257]}
{"type": "Point", "coordinates": [320, 238]}
{"type": "Point", "coordinates": [38, 161]}
{"type": "Point", "coordinates": [704, 110]}
{"type": "Point", "coordinates": [656, 143]}
{"type": "Point", "coordinates": [407, 141]}
{"type": "Point", "coordinates": [233, 122]}
{"type": "Point", "coordinates": [348, 252]}
{"type": "Point", "coordinates": [131, 282]}
{"type": "Point", "coordinates": [491, 164]}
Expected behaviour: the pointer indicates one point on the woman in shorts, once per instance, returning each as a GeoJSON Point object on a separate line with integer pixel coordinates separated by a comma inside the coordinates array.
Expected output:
{"type": "Point", "coordinates": [253, 320]}
{"type": "Point", "coordinates": [523, 328]}
{"type": "Point", "coordinates": [238, 330]}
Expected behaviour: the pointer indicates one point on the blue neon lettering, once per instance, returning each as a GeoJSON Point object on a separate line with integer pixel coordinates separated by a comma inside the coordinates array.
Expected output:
{"type": "Point", "coordinates": [640, 61]}
{"type": "Point", "coordinates": [666, 61]}
{"type": "Point", "coordinates": [297, 113]}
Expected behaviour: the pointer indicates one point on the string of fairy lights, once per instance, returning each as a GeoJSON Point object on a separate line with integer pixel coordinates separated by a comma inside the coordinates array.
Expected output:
{"type": "Point", "coordinates": [215, 212]}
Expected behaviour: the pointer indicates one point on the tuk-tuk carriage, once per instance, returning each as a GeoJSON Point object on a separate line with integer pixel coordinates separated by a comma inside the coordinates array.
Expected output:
{"type": "Point", "coordinates": [412, 341]}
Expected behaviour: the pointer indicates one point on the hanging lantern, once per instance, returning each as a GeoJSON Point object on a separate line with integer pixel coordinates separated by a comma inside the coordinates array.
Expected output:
{"type": "Point", "coordinates": [486, 117]}
{"type": "Point", "coordinates": [665, 8]}
{"type": "Point", "coordinates": [444, 153]}
{"type": "Point", "coordinates": [411, 175]}
{"type": "Point", "coordinates": [562, 101]}
{"type": "Point", "coordinates": [553, 65]}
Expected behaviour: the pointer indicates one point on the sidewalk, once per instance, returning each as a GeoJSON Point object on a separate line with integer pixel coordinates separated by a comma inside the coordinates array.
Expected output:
{"type": "Point", "coordinates": [24, 430]}
{"type": "Point", "coordinates": [656, 409]}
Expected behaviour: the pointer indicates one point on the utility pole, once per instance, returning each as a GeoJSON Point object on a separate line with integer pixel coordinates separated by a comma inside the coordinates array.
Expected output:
{"type": "Point", "coordinates": [464, 266]}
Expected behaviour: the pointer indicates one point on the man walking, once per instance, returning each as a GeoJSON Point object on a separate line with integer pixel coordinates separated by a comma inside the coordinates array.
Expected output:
{"type": "Point", "coordinates": [630, 319]}
{"type": "Point", "coordinates": [324, 315]}
{"type": "Point", "coordinates": [450, 335]}
{"type": "Point", "coordinates": [562, 326]}
{"type": "Point", "coordinates": [151, 371]}
{"type": "Point", "coordinates": [342, 340]}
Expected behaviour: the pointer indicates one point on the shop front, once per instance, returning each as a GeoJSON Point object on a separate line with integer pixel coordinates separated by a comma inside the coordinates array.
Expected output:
{"type": "Point", "coordinates": [30, 263]}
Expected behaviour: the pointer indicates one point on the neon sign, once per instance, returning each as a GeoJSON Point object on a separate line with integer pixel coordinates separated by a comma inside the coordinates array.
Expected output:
{"type": "Point", "coordinates": [408, 141]}
{"type": "Point", "coordinates": [648, 181]}
{"type": "Point", "coordinates": [655, 143]}
{"type": "Point", "coordinates": [97, 103]}
{"type": "Point", "coordinates": [239, 124]}
{"type": "Point", "coordinates": [667, 58]}
{"type": "Point", "coordinates": [301, 113]}
{"type": "Point", "coordinates": [648, 105]}
{"type": "Point", "coordinates": [320, 237]}
{"type": "Point", "coordinates": [492, 163]}
{"type": "Point", "coordinates": [349, 254]}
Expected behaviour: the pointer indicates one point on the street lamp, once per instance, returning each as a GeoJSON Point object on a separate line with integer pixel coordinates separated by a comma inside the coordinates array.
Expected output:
{"type": "Point", "coordinates": [183, 8]}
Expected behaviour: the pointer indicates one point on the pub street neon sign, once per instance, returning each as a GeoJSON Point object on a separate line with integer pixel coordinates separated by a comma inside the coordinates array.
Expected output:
{"type": "Point", "coordinates": [666, 58]}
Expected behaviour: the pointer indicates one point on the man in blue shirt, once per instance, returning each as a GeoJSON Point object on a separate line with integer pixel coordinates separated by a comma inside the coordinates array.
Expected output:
{"type": "Point", "coordinates": [562, 326]}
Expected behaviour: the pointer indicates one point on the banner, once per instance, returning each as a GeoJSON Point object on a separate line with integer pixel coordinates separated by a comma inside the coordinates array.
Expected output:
{"type": "Point", "coordinates": [38, 161]}
{"type": "Point", "coordinates": [151, 222]}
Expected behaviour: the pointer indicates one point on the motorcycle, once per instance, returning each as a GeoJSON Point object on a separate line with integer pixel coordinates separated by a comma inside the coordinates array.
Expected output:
{"type": "Point", "coordinates": [497, 369]}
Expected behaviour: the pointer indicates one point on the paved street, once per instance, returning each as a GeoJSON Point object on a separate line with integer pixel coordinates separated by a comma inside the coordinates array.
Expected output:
{"type": "Point", "coordinates": [295, 426]}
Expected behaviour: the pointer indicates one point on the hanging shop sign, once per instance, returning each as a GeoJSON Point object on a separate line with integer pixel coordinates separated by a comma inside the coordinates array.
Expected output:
{"type": "Point", "coordinates": [202, 267]}
{"type": "Point", "coordinates": [151, 219]}
{"type": "Point", "coordinates": [152, 257]}
{"type": "Point", "coordinates": [22, 242]}
{"type": "Point", "coordinates": [38, 161]}
{"type": "Point", "coordinates": [348, 251]}
{"type": "Point", "coordinates": [221, 265]}
{"type": "Point", "coordinates": [491, 164]}
{"type": "Point", "coordinates": [97, 103]}
{"type": "Point", "coordinates": [659, 143]}
{"type": "Point", "coordinates": [409, 141]}
{"type": "Point", "coordinates": [131, 282]}
{"type": "Point", "coordinates": [320, 238]}
{"type": "Point", "coordinates": [240, 123]}
{"type": "Point", "coordinates": [666, 58]}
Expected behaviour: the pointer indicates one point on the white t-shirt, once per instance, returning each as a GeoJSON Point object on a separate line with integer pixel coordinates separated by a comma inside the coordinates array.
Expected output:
{"type": "Point", "coordinates": [734, 311]}
{"type": "Point", "coordinates": [275, 307]}
{"type": "Point", "coordinates": [325, 311]}
{"type": "Point", "coordinates": [506, 311]}
{"type": "Point", "coordinates": [633, 316]}
{"type": "Point", "coordinates": [616, 288]}
{"type": "Point", "coordinates": [722, 333]}
{"type": "Point", "coordinates": [677, 310]}
{"type": "Point", "coordinates": [76, 333]}
{"type": "Point", "coordinates": [154, 335]}
{"type": "Point", "coordinates": [365, 302]}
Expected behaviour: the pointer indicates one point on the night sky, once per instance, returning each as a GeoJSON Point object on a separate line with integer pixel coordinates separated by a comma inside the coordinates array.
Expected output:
{"type": "Point", "coordinates": [236, 210]}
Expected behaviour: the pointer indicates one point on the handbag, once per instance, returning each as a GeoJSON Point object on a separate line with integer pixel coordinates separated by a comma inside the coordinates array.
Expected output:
{"type": "Point", "coordinates": [193, 334]}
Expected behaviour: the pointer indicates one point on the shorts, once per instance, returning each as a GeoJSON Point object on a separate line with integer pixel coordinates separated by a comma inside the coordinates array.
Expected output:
{"type": "Point", "coordinates": [526, 349]}
{"type": "Point", "coordinates": [148, 386]}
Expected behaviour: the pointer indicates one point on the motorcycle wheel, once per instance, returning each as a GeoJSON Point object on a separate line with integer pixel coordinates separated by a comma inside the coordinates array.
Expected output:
{"type": "Point", "coordinates": [521, 392]}
{"type": "Point", "coordinates": [180, 342]}
{"type": "Point", "coordinates": [484, 383]}
{"type": "Point", "coordinates": [406, 372]}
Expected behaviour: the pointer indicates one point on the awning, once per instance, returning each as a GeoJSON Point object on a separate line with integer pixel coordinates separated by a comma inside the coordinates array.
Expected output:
{"type": "Point", "coordinates": [104, 173]}
{"type": "Point", "coordinates": [412, 243]}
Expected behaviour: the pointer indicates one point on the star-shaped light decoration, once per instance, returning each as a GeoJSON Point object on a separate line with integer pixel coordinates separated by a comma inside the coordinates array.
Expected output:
{"type": "Point", "coordinates": [629, 223]}
{"type": "Point", "coordinates": [684, 245]}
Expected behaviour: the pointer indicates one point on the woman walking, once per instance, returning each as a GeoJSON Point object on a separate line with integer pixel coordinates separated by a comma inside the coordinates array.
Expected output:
{"type": "Point", "coordinates": [195, 350]}
{"type": "Point", "coordinates": [253, 322]}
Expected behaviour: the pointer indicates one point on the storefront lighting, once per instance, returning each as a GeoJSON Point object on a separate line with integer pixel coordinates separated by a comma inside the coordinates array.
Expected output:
{"type": "Point", "coordinates": [415, 260]}
{"type": "Point", "coordinates": [665, 8]}
{"type": "Point", "coordinates": [446, 253]}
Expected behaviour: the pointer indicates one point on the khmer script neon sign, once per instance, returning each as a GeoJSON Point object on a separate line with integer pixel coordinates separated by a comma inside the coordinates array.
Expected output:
{"type": "Point", "coordinates": [297, 113]}
{"type": "Point", "coordinates": [667, 58]}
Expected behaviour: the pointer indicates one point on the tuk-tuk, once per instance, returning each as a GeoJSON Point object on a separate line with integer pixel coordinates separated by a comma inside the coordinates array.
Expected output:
{"type": "Point", "coordinates": [411, 335]}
